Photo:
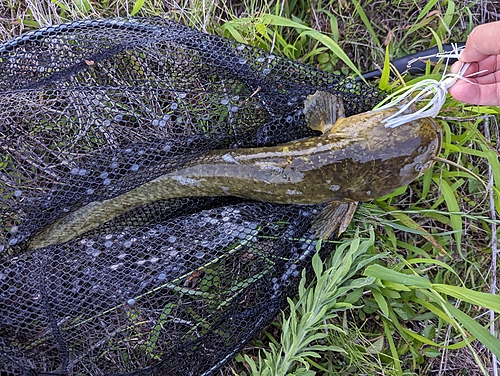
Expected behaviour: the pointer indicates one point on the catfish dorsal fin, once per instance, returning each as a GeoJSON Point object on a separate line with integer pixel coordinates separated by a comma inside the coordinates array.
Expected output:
{"type": "Point", "coordinates": [322, 109]}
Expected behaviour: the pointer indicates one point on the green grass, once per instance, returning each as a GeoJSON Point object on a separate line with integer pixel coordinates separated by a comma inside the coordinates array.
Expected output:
{"type": "Point", "coordinates": [411, 287]}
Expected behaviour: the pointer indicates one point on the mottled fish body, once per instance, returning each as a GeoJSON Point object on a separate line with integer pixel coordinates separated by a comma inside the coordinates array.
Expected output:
{"type": "Point", "coordinates": [355, 159]}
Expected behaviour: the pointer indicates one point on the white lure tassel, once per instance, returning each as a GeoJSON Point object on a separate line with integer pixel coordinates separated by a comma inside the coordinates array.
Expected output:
{"type": "Point", "coordinates": [436, 89]}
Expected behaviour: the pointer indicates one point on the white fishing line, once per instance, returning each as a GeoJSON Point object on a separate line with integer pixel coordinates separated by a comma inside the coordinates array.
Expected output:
{"type": "Point", "coordinates": [434, 89]}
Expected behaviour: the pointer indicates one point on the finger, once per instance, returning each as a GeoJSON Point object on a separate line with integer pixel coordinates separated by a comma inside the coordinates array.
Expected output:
{"type": "Point", "coordinates": [486, 71]}
{"type": "Point", "coordinates": [485, 79]}
{"type": "Point", "coordinates": [471, 69]}
{"type": "Point", "coordinates": [484, 40]}
{"type": "Point", "coordinates": [488, 95]}
{"type": "Point", "coordinates": [488, 65]}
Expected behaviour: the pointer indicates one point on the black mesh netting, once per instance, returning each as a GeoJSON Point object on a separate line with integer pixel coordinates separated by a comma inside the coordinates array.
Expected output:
{"type": "Point", "coordinates": [90, 110]}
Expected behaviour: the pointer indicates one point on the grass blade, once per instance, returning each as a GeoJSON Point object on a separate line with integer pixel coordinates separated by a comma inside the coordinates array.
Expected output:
{"type": "Point", "coordinates": [366, 22]}
{"type": "Point", "coordinates": [452, 204]}
{"type": "Point", "coordinates": [137, 7]}
{"type": "Point", "coordinates": [481, 299]}
{"type": "Point", "coordinates": [383, 273]}
{"type": "Point", "coordinates": [478, 331]}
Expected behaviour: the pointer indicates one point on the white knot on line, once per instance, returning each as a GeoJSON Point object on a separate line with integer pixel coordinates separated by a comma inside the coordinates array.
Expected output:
{"type": "Point", "coordinates": [429, 87]}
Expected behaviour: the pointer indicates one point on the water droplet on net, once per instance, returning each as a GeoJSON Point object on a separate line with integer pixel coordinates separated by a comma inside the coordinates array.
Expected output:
{"type": "Point", "coordinates": [108, 243]}
{"type": "Point", "coordinates": [162, 276]}
{"type": "Point", "coordinates": [106, 123]}
{"type": "Point", "coordinates": [134, 167]}
{"type": "Point", "coordinates": [131, 302]}
{"type": "Point", "coordinates": [90, 191]}
{"type": "Point", "coordinates": [174, 106]}
{"type": "Point", "coordinates": [18, 193]}
{"type": "Point", "coordinates": [224, 101]}
{"type": "Point", "coordinates": [106, 182]}
{"type": "Point", "coordinates": [118, 118]}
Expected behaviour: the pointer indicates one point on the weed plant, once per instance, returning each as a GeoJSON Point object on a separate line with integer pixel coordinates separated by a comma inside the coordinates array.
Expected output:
{"type": "Point", "coordinates": [412, 286]}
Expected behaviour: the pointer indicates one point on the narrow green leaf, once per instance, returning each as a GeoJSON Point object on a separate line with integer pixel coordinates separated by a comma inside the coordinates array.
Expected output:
{"type": "Point", "coordinates": [420, 338]}
{"type": "Point", "coordinates": [448, 16]}
{"type": "Point", "coordinates": [227, 27]}
{"type": "Point", "coordinates": [380, 302]}
{"type": "Point", "coordinates": [481, 333]}
{"type": "Point", "coordinates": [395, 286]}
{"type": "Point", "coordinates": [366, 22]}
{"type": "Point", "coordinates": [384, 79]}
{"type": "Point", "coordinates": [137, 7]}
{"type": "Point", "coordinates": [317, 264]}
{"type": "Point", "coordinates": [60, 5]}
{"type": "Point", "coordinates": [482, 299]}
{"type": "Point", "coordinates": [434, 262]}
{"type": "Point", "coordinates": [452, 204]}
{"type": "Point", "coordinates": [412, 226]}
{"type": "Point", "coordinates": [381, 272]}
{"type": "Point", "coordinates": [272, 19]}
{"type": "Point", "coordinates": [29, 23]}
{"type": "Point", "coordinates": [334, 47]}
{"type": "Point", "coordinates": [361, 282]}
{"type": "Point", "coordinates": [392, 346]}
{"type": "Point", "coordinates": [426, 10]}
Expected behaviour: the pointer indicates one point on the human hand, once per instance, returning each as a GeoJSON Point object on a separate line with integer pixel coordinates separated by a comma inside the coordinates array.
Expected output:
{"type": "Point", "coordinates": [482, 50]}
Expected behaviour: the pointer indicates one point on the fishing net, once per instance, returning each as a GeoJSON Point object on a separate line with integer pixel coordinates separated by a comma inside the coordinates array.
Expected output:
{"type": "Point", "coordinates": [92, 109]}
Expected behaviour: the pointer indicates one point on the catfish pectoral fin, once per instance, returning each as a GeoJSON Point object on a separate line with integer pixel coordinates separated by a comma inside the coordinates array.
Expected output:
{"type": "Point", "coordinates": [322, 109]}
{"type": "Point", "coordinates": [336, 215]}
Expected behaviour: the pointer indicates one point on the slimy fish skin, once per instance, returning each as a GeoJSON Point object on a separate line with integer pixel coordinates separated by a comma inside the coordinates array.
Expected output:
{"type": "Point", "coordinates": [354, 159]}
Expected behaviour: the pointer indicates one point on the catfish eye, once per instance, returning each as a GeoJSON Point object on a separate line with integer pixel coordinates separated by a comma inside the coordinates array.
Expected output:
{"type": "Point", "coordinates": [419, 167]}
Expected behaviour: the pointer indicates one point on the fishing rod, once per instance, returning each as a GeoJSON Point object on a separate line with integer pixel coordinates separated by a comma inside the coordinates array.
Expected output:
{"type": "Point", "coordinates": [415, 63]}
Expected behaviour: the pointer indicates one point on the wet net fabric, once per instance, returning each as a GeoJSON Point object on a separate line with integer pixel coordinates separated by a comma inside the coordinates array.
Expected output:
{"type": "Point", "coordinates": [92, 109]}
